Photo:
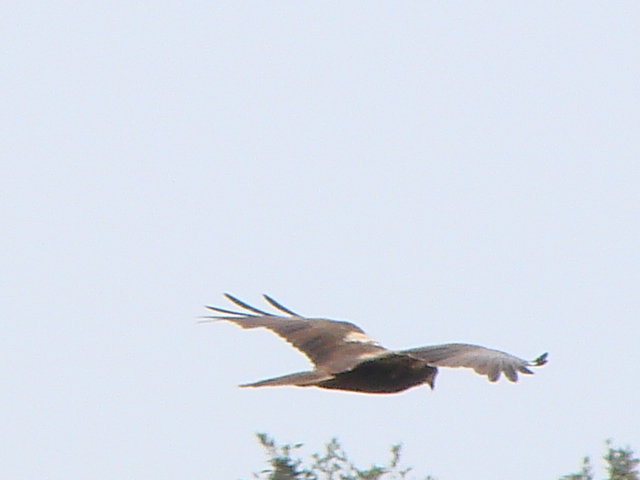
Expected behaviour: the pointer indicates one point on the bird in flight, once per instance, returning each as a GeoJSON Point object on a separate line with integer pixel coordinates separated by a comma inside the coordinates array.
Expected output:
{"type": "Point", "coordinates": [346, 358]}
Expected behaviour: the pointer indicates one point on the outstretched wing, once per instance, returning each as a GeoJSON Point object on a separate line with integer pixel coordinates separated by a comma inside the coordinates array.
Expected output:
{"type": "Point", "coordinates": [484, 361]}
{"type": "Point", "coordinates": [332, 346]}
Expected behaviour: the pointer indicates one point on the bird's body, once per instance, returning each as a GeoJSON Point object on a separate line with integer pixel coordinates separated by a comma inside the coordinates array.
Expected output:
{"type": "Point", "coordinates": [346, 358]}
{"type": "Point", "coordinates": [391, 373]}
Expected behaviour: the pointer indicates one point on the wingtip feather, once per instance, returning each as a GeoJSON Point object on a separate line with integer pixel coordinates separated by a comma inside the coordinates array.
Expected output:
{"type": "Point", "coordinates": [541, 360]}
{"type": "Point", "coordinates": [274, 303]}
{"type": "Point", "coordinates": [246, 306]}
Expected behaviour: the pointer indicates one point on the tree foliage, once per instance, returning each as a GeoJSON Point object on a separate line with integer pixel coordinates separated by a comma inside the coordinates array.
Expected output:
{"type": "Point", "coordinates": [285, 463]}
{"type": "Point", "coordinates": [331, 464]}
{"type": "Point", "coordinates": [621, 465]}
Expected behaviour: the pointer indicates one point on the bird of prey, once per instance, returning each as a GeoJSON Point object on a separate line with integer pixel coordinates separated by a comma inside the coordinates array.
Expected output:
{"type": "Point", "coordinates": [346, 358]}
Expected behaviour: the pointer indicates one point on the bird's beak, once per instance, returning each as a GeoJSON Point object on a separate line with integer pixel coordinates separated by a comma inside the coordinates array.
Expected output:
{"type": "Point", "coordinates": [431, 381]}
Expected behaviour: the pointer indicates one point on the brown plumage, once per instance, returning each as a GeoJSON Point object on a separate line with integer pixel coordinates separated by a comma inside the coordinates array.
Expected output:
{"type": "Point", "coordinates": [345, 358]}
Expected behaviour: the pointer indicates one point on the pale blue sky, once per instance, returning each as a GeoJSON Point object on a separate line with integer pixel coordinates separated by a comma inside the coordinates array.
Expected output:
{"type": "Point", "coordinates": [432, 171]}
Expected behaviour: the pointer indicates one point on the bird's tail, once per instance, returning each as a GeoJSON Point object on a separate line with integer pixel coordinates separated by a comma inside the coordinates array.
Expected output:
{"type": "Point", "coordinates": [300, 379]}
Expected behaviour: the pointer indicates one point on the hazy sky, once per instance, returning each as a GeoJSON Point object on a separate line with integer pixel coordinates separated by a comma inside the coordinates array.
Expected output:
{"type": "Point", "coordinates": [433, 171]}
